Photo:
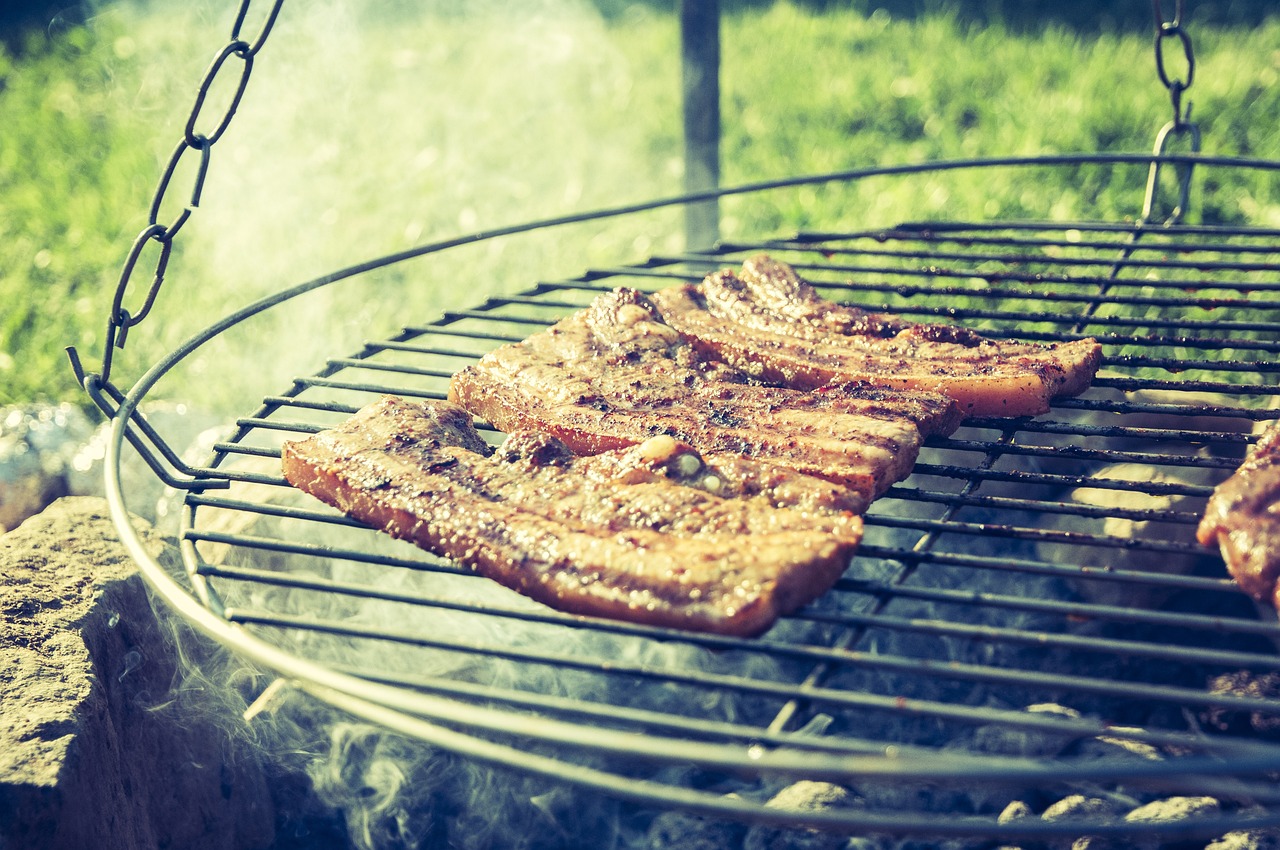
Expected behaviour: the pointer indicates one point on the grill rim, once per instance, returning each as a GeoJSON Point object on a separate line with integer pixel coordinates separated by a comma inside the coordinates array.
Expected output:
{"type": "Point", "coordinates": [337, 688]}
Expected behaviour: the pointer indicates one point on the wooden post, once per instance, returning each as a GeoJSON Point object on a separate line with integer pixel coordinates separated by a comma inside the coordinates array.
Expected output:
{"type": "Point", "coordinates": [700, 74]}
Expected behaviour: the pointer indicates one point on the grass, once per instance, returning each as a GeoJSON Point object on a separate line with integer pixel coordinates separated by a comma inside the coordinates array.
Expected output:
{"type": "Point", "coordinates": [366, 132]}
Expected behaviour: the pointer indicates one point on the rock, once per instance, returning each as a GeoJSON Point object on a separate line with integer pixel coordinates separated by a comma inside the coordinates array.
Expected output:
{"type": "Point", "coordinates": [1014, 812]}
{"type": "Point", "coordinates": [1079, 807]}
{"type": "Point", "coordinates": [96, 748]}
{"type": "Point", "coordinates": [1247, 839]}
{"type": "Point", "coordinates": [1174, 809]}
{"type": "Point", "coordinates": [804, 796]}
{"type": "Point", "coordinates": [1169, 810]}
{"type": "Point", "coordinates": [1116, 747]}
{"type": "Point", "coordinates": [1094, 842]}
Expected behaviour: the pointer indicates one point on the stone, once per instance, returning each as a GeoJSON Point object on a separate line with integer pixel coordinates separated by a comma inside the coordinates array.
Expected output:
{"type": "Point", "coordinates": [803, 796]}
{"type": "Point", "coordinates": [1094, 842]}
{"type": "Point", "coordinates": [1087, 810]}
{"type": "Point", "coordinates": [1175, 809]}
{"type": "Point", "coordinates": [1079, 807]}
{"type": "Point", "coordinates": [1170, 810]}
{"type": "Point", "coordinates": [1247, 839]}
{"type": "Point", "coordinates": [1016, 810]}
{"type": "Point", "coordinates": [97, 747]}
{"type": "Point", "coordinates": [1116, 747]}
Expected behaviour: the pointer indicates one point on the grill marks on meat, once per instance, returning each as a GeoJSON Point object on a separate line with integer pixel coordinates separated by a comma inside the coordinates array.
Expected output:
{"type": "Point", "coordinates": [653, 534]}
{"type": "Point", "coordinates": [768, 322]}
{"type": "Point", "coordinates": [616, 374]}
{"type": "Point", "coordinates": [1243, 519]}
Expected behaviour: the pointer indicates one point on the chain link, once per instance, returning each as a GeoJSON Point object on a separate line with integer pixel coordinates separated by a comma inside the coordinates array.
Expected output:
{"type": "Point", "coordinates": [121, 318]}
{"type": "Point", "coordinates": [1168, 30]}
{"type": "Point", "coordinates": [263, 32]}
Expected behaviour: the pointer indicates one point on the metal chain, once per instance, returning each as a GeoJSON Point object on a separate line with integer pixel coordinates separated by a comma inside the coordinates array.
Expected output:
{"type": "Point", "coordinates": [1181, 127]}
{"type": "Point", "coordinates": [1167, 30]}
{"type": "Point", "coordinates": [121, 318]}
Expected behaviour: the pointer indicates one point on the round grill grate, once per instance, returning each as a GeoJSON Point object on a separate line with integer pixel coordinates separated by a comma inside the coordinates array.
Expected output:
{"type": "Point", "coordinates": [1029, 610]}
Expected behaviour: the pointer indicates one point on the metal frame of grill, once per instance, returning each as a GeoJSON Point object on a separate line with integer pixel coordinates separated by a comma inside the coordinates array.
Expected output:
{"type": "Point", "coordinates": [988, 583]}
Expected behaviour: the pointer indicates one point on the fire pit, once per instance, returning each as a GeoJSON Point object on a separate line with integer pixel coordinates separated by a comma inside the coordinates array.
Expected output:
{"type": "Point", "coordinates": [1028, 644]}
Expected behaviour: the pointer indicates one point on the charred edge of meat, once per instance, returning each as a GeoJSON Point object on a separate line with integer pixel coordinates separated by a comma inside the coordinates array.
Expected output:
{"type": "Point", "coordinates": [1241, 518]}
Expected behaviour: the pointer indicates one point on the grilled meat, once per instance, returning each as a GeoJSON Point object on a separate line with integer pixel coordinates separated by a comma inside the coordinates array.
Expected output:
{"type": "Point", "coordinates": [654, 534]}
{"type": "Point", "coordinates": [768, 322]}
{"type": "Point", "coordinates": [1243, 519]}
{"type": "Point", "coordinates": [615, 374]}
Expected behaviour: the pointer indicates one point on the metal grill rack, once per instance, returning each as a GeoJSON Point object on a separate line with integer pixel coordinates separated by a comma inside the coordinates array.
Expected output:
{"type": "Point", "coordinates": [1033, 591]}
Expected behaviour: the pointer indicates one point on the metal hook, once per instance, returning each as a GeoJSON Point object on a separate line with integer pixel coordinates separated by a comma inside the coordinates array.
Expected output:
{"type": "Point", "coordinates": [1173, 128]}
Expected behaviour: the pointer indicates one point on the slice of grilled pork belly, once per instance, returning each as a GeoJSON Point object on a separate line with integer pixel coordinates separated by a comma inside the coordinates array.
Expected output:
{"type": "Point", "coordinates": [653, 534]}
{"type": "Point", "coordinates": [615, 374]}
{"type": "Point", "coordinates": [770, 323]}
{"type": "Point", "coordinates": [1243, 519]}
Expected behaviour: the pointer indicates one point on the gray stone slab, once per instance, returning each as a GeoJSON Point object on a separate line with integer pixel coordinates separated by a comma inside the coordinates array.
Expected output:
{"type": "Point", "coordinates": [100, 746]}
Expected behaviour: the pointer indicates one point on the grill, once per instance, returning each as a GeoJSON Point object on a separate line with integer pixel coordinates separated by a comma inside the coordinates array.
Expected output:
{"type": "Point", "coordinates": [1033, 590]}
{"type": "Point", "coordinates": [1029, 616]}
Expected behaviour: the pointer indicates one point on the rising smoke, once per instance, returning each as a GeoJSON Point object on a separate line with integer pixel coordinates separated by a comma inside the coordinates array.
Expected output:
{"type": "Point", "coordinates": [368, 129]}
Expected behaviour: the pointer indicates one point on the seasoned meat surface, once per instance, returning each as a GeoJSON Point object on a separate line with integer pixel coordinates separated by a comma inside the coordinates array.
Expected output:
{"type": "Point", "coordinates": [616, 374]}
{"type": "Point", "coordinates": [767, 321]}
{"type": "Point", "coordinates": [654, 534]}
{"type": "Point", "coordinates": [1243, 519]}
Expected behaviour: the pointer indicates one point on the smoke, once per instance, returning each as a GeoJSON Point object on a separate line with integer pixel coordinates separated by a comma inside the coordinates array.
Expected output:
{"type": "Point", "coordinates": [368, 129]}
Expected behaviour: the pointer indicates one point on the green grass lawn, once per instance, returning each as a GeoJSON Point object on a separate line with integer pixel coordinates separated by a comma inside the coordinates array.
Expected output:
{"type": "Point", "coordinates": [364, 133]}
